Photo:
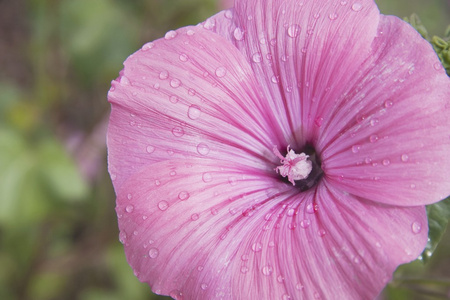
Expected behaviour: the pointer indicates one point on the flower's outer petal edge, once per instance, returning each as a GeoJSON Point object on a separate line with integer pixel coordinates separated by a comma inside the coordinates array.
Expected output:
{"type": "Point", "coordinates": [388, 140]}
{"type": "Point", "coordinates": [235, 235]}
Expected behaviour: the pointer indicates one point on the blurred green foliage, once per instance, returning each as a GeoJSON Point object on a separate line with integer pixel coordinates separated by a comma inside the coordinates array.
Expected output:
{"type": "Point", "coordinates": [58, 236]}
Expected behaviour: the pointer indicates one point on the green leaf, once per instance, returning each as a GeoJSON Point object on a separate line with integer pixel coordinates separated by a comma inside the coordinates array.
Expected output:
{"type": "Point", "coordinates": [438, 218]}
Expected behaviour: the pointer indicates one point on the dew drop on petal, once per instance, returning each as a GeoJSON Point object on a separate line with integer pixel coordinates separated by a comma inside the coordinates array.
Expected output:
{"type": "Point", "coordinates": [153, 253]}
{"type": "Point", "coordinates": [221, 72]}
{"type": "Point", "coordinates": [163, 75]}
{"type": "Point", "coordinates": [244, 269]}
{"type": "Point", "coordinates": [386, 162]}
{"type": "Point", "coordinates": [238, 34]}
{"type": "Point", "coordinates": [357, 7]}
{"type": "Point", "coordinates": [129, 208]}
{"type": "Point", "coordinates": [148, 46]}
{"type": "Point", "coordinates": [437, 66]}
{"type": "Point", "coordinates": [170, 35]}
{"type": "Point", "coordinates": [178, 131]}
{"type": "Point", "coordinates": [257, 57]}
{"type": "Point", "coordinates": [174, 99]}
{"type": "Point", "coordinates": [122, 237]}
{"type": "Point", "coordinates": [175, 83]}
{"type": "Point", "coordinates": [405, 157]}
{"type": "Point", "coordinates": [290, 212]}
{"type": "Point", "coordinates": [310, 208]}
{"type": "Point", "coordinates": [332, 16]}
{"type": "Point", "coordinates": [256, 247]}
{"type": "Point", "coordinates": [416, 227]}
{"type": "Point", "coordinates": [204, 286]}
{"type": "Point", "coordinates": [229, 14]}
{"type": "Point", "coordinates": [356, 148]}
{"type": "Point", "coordinates": [305, 223]}
{"type": "Point", "coordinates": [388, 103]}
{"type": "Point", "coordinates": [184, 57]}
{"type": "Point", "coordinates": [190, 32]}
{"type": "Point", "coordinates": [150, 149]}
{"type": "Point", "coordinates": [163, 205]}
{"type": "Point", "coordinates": [294, 30]}
{"type": "Point", "coordinates": [194, 112]}
{"type": "Point", "coordinates": [267, 270]}
{"type": "Point", "coordinates": [194, 217]}
{"type": "Point", "coordinates": [373, 138]}
{"type": "Point", "coordinates": [129, 196]}
{"type": "Point", "coordinates": [321, 232]}
{"type": "Point", "coordinates": [207, 177]}
{"type": "Point", "coordinates": [299, 286]}
{"type": "Point", "coordinates": [203, 149]}
{"type": "Point", "coordinates": [286, 297]}
{"type": "Point", "coordinates": [183, 195]}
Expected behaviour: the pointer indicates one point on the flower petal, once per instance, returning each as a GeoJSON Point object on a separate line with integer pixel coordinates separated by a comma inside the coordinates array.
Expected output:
{"type": "Point", "coordinates": [198, 230]}
{"type": "Point", "coordinates": [190, 94]}
{"type": "Point", "coordinates": [388, 139]}
{"type": "Point", "coordinates": [303, 52]}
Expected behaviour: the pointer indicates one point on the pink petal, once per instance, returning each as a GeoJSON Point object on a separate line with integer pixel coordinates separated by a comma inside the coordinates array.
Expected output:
{"type": "Point", "coordinates": [388, 140]}
{"type": "Point", "coordinates": [190, 94]}
{"type": "Point", "coordinates": [197, 230]}
{"type": "Point", "coordinates": [303, 52]}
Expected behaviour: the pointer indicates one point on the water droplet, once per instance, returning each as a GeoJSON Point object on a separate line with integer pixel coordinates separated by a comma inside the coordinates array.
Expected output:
{"type": "Point", "coordinates": [332, 16]}
{"type": "Point", "coordinates": [343, 3]}
{"type": "Point", "coordinates": [318, 121]}
{"type": "Point", "coordinates": [310, 208]}
{"type": "Point", "coordinates": [194, 112]}
{"type": "Point", "coordinates": [294, 30]}
{"type": "Point", "coordinates": [416, 227]}
{"type": "Point", "coordinates": [173, 173]}
{"type": "Point", "coordinates": [388, 103]}
{"type": "Point", "coordinates": [292, 226]}
{"type": "Point", "coordinates": [204, 286]}
{"type": "Point", "coordinates": [207, 177]}
{"type": "Point", "coordinates": [221, 72]}
{"type": "Point", "coordinates": [321, 232]}
{"type": "Point", "coordinates": [124, 80]}
{"type": "Point", "coordinates": [129, 196]}
{"type": "Point", "coordinates": [192, 92]}
{"type": "Point", "coordinates": [150, 149]}
{"type": "Point", "coordinates": [257, 57]}
{"type": "Point", "coordinates": [299, 286]}
{"type": "Point", "coordinates": [122, 237]}
{"type": "Point", "coordinates": [163, 205]}
{"type": "Point", "coordinates": [316, 15]}
{"type": "Point", "coordinates": [290, 212]}
{"type": "Point", "coordinates": [174, 99]}
{"type": "Point", "coordinates": [305, 223]}
{"type": "Point", "coordinates": [244, 269]}
{"type": "Point", "coordinates": [274, 79]}
{"type": "Point", "coordinates": [184, 57]}
{"type": "Point", "coordinates": [238, 34]}
{"type": "Point", "coordinates": [256, 247]}
{"type": "Point", "coordinates": [244, 257]}
{"type": "Point", "coordinates": [153, 253]}
{"type": "Point", "coordinates": [412, 185]}
{"type": "Point", "coordinates": [190, 32]}
{"type": "Point", "coordinates": [170, 35]}
{"type": "Point", "coordinates": [229, 14]}
{"type": "Point", "coordinates": [178, 131]}
{"type": "Point", "coordinates": [214, 211]}
{"type": "Point", "coordinates": [157, 182]}
{"type": "Point", "coordinates": [183, 195]}
{"type": "Point", "coordinates": [374, 122]}
{"type": "Point", "coordinates": [356, 148]}
{"type": "Point", "coordinates": [286, 297]}
{"type": "Point", "coordinates": [129, 208]}
{"type": "Point", "coordinates": [232, 180]}
{"type": "Point", "coordinates": [175, 83]}
{"type": "Point", "coordinates": [202, 149]}
{"type": "Point", "coordinates": [373, 138]}
{"type": "Point", "coordinates": [437, 66]}
{"type": "Point", "coordinates": [280, 278]}
{"type": "Point", "coordinates": [386, 162]}
{"type": "Point", "coordinates": [113, 176]}
{"type": "Point", "coordinates": [267, 270]}
{"type": "Point", "coordinates": [148, 46]}
{"type": "Point", "coordinates": [163, 75]}
{"type": "Point", "coordinates": [176, 294]}
{"type": "Point", "coordinates": [357, 7]}
{"type": "Point", "coordinates": [405, 157]}
{"type": "Point", "coordinates": [194, 217]}
{"type": "Point", "coordinates": [209, 24]}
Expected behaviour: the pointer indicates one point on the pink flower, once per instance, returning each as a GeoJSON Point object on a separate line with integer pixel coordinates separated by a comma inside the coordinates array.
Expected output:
{"type": "Point", "coordinates": [199, 117]}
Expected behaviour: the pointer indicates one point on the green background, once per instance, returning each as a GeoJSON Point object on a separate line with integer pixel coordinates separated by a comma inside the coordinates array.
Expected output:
{"type": "Point", "coordinates": [58, 230]}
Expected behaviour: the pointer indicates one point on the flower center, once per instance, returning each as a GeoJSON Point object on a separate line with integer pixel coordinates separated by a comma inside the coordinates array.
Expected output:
{"type": "Point", "coordinates": [301, 170]}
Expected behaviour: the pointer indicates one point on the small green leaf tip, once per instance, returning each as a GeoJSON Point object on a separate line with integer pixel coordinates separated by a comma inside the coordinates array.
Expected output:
{"type": "Point", "coordinates": [415, 22]}
{"type": "Point", "coordinates": [438, 218]}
